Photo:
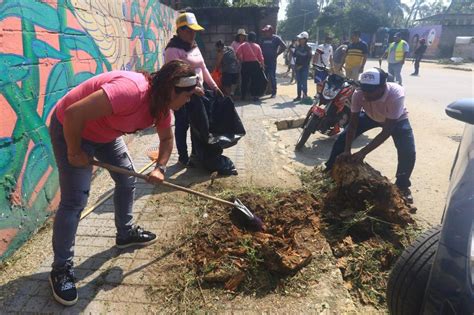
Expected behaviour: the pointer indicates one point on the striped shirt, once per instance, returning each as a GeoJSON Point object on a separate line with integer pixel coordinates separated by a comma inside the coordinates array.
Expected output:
{"type": "Point", "coordinates": [356, 53]}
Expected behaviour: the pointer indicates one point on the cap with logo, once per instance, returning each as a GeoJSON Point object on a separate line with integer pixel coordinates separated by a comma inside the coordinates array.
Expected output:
{"type": "Point", "coordinates": [303, 35]}
{"type": "Point", "coordinates": [188, 19]}
{"type": "Point", "coordinates": [371, 79]}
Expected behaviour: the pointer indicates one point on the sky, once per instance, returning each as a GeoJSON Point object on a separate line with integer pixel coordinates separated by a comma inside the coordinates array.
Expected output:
{"type": "Point", "coordinates": [284, 3]}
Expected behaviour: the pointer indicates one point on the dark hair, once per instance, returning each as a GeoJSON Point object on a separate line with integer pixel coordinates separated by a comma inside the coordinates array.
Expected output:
{"type": "Point", "coordinates": [252, 37]}
{"type": "Point", "coordinates": [161, 84]}
{"type": "Point", "coordinates": [356, 33]}
{"type": "Point", "coordinates": [219, 43]}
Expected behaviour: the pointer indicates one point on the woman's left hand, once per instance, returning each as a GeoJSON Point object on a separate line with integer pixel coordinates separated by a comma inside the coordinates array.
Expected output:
{"type": "Point", "coordinates": [156, 176]}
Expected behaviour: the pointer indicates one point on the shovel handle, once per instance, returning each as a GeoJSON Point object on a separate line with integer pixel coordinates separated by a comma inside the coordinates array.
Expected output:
{"type": "Point", "coordinates": [124, 171]}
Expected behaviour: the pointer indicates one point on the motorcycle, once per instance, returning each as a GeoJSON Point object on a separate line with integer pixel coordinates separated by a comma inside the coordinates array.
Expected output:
{"type": "Point", "coordinates": [331, 111]}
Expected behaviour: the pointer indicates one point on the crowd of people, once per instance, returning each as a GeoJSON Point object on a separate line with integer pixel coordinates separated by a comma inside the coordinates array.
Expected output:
{"type": "Point", "coordinates": [90, 120]}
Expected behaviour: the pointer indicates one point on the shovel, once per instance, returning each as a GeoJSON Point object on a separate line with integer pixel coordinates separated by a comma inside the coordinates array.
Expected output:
{"type": "Point", "coordinates": [250, 220]}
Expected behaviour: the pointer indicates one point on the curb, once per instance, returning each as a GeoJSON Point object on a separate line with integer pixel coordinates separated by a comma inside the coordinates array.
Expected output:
{"type": "Point", "coordinates": [458, 68]}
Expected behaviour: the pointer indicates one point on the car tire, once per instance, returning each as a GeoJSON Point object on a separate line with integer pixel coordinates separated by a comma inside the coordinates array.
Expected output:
{"type": "Point", "coordinates": [409, 277]}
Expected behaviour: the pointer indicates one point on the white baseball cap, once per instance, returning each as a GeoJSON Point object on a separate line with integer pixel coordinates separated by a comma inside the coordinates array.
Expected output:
{"type": "Point", "coordinates": [372, 79]}
{"type": "Point", "coordinates": [303, 35]}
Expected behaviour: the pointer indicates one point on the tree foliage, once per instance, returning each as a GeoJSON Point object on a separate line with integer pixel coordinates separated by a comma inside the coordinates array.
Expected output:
{"type": "Point", "coordinates": [340, 17]}
{"type": "Point", "coordinates": [300, 16]}
{"type": "Point", "coordinates": [227, 3]}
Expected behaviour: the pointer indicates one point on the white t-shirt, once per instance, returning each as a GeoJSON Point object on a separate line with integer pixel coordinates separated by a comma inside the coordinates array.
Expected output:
{"type": "Point", "coordinates": [327, 48]}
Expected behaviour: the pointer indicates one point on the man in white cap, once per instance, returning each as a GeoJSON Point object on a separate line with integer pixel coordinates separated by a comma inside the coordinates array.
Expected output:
{"type": "Point", "coordinates": [384, 106]}
{"type": "Point", "coordinates": [303, 56]}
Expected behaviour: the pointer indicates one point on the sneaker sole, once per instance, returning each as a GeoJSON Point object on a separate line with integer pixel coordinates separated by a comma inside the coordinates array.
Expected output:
{"type": "Point", "coordinates": [140, 244]}
{"type": "Point", "coordinates": [59, 299]}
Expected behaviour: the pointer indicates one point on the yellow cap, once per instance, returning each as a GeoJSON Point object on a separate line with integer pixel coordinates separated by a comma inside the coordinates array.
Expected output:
{"type": "Point", "coordinates": [188, 19]}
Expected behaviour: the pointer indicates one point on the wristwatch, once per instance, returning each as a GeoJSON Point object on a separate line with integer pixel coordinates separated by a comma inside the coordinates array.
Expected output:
{"type": "Point", "coordinates": [162, 168]}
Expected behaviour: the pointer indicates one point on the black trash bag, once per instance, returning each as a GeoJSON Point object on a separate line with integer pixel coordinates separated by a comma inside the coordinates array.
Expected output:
{"type": "Point", "coordinates": [215, 120]}
{"type": "Point", "coordinates": [215, 125]}
{"type": "Point", "coordinates": [261, 82]}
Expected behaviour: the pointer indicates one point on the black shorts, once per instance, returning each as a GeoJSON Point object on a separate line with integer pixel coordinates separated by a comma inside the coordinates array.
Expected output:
{"type": "Point", "coordinates": [229, 79]}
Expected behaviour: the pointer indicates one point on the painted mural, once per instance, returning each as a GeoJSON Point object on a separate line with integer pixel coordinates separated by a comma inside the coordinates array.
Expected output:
{"type": "Point", "coordinates": [47, 48]}
{"type": "Point", "coordinates": [432, 35]}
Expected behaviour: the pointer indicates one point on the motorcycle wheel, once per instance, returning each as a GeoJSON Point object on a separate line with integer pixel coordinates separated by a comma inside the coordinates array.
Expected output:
{"type": "Point", "coordinates": [308, 128]}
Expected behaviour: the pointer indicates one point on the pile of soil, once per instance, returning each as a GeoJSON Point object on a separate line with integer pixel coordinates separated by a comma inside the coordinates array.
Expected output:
{"type": "Point", "coordinates": [230, 255]}
{"type": "Point", "coordinates": [358, 212]}
{"type": "Point", "coordinates": [368, 224]}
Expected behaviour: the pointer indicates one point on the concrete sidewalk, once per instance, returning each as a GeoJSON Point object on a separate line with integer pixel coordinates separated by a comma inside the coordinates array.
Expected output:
{"type": "Point", "coordinates": [112, 280]}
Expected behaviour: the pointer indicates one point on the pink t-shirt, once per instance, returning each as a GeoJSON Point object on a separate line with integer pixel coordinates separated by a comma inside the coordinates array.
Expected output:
{"type": "Point", "coordinates": [390, 106]}
{"type": "Point", "coordinates": [248, 52]}
{"type": "Point", "coordinates": [235, 45]}
{"type": "Point", "coordinates": [194, 59]}
{"type": "Point", "coordinates": [129, 96]}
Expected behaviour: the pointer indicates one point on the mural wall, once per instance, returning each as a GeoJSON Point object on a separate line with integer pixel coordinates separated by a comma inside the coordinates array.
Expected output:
{"type": "Point", "coordinates": [432, 35]}
{"type": "Point", "coordinates": [47, 48]}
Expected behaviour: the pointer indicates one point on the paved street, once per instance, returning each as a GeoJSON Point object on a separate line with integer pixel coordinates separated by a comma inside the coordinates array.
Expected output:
{"type": "Point", "coordinates": [114, 281]}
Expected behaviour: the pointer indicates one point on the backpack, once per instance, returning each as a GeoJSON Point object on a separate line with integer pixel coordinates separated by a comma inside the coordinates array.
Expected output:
{"type": "Point", "coordinates": [229, 61]}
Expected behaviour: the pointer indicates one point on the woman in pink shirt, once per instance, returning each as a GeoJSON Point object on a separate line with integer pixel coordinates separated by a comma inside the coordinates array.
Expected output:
{"type": "Point", "coordinates": [183, 47]}
{"type": "Point", "coordinates": [251, 58]}
{"type": "Point", "coordinates": [89, 122]}
{"type": "Point", "coordinates": [239, 39]}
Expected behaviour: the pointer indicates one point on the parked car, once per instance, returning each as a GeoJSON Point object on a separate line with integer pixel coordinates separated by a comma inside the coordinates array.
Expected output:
{"type": "Point", "coordinates": [435, 275]}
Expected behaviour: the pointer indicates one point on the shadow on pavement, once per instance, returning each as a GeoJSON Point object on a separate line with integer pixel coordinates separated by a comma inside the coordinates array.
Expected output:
{"type": "Point", "coordinates": [32, 293]}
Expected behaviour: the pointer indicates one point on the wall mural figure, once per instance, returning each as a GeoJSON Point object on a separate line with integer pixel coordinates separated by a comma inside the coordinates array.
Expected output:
{"type": "Point", "coordinates": [46, 49]}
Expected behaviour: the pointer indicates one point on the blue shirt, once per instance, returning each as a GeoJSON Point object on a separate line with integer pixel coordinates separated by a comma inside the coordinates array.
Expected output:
{"type": "Point", "coordinates": [270, 47]}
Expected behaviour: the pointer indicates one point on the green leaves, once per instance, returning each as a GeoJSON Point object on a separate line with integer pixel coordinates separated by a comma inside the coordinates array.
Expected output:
{"type": "Point", "coordinates": [37, 165]}
{"type": "Point", "coordinates": [13, 68]}
{"type": "Point", "coordinates": [42, 49]}
{"type": "Point", "coordinates": [57, 86]}
{"type": "Point", "coordinates": [37, 12]}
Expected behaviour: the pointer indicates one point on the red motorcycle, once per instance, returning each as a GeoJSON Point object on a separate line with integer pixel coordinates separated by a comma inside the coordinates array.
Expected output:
{"type": "Point", "coordinates": [331, 111]}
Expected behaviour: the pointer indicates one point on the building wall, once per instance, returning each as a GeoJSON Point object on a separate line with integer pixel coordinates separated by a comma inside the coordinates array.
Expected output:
{"type": "Point", "coordinates": [47, 48]}
{"type": "Point", "coordinates": [223, 23]}
{"type": "Point", "coordinates": [432, 34]}
{"type": "Point", "coordinates": [448, 38]}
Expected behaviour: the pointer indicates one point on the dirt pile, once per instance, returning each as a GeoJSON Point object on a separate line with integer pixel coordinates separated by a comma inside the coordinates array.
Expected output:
{"type": "Point", "coordinates": [358, 212]}
{"type": "Point", "coordinates": [228, 254]}
{"type": "Point", "coordinates": [368, 224]}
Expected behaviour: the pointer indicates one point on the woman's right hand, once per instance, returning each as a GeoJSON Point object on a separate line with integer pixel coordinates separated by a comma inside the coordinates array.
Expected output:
{"type": "Point", "coordinates": [80, 159]}
{"type": "Point", "coordinates": [199, 91]}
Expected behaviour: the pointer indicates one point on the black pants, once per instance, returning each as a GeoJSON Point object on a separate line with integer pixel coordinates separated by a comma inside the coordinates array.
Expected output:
{"type": "Point", "coordinates": [249, 74]}
{"type": "Point", "coordinates": [417, 65]}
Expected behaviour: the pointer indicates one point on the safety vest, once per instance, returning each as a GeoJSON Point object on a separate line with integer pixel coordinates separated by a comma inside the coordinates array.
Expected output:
{"type": "Point", "coordinates": [399, 52]}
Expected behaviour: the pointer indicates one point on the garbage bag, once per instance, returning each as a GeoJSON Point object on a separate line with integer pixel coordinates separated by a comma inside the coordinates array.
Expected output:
{"type": "Point", "coordinates": [215, 120]}
{"type": "Point", "coordinates": [215, 126]}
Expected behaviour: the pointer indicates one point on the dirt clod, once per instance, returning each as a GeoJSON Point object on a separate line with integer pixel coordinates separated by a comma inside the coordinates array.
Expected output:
{"type": "Point", "coordinates": [227, 253]}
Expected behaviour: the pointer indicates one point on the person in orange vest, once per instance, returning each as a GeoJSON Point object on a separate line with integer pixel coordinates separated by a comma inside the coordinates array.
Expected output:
{"type": "Point", "coordinates": [396, 54]}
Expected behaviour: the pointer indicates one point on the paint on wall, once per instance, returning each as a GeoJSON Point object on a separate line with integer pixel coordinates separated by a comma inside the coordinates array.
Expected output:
{"type": "Point", "coordinates": [432, 35]}
{"type": "Point", "coordinates": [47, 48]}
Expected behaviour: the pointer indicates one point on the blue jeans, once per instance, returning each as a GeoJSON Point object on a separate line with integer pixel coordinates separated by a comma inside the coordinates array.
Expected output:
{"type": "Point", "coordinates": [302, 81]}
{"type": "Point", "coordinates": [402, 137]}
{"type": "Point", "coordinates": [395, 69]}
{"type": "Point", "coordinates": [270, 72]}
{"type": "Point", "coordinates": [75, 182]}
